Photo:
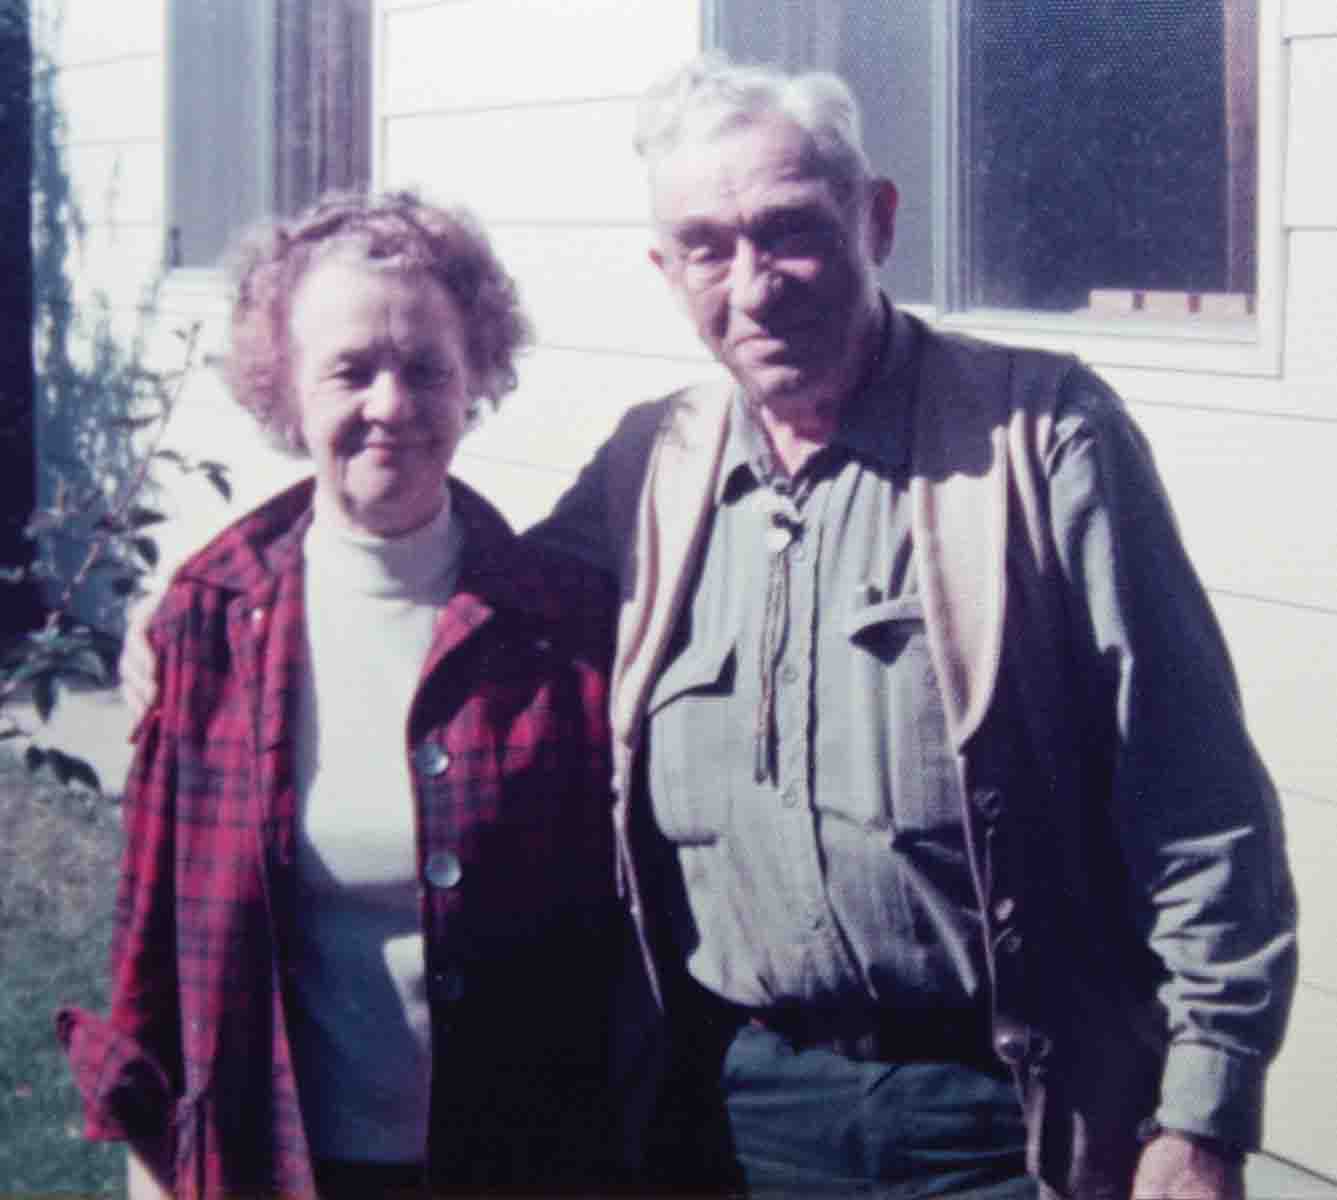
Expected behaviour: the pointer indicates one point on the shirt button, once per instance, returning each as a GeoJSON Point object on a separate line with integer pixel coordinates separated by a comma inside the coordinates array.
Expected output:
{"type": "Point", "coordinates": [450, 985]}
{"type": "Point", "coordinates": [1004, 908]}
{"type": "Point", "coordinates": [443, 869]}
{"type": "Point", "coordinates": [988, 802]}
{"type": "Point", "coordinates": [430, 759]}
{"type": "Point", "coordinates": [258, 615]}
{"type": "Point", "coordinates": [789, 673]}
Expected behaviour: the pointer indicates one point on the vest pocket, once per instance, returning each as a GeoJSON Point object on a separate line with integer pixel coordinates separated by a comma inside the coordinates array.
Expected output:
{"type": "Point", "coordinates": [902, 737]}
{"type": "Point", "coordinates": [694, 745]}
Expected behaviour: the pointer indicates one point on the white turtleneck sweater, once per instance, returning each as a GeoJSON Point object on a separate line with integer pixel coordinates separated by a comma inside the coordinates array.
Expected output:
{"type": "Point", "coordinates": [362, 1035]}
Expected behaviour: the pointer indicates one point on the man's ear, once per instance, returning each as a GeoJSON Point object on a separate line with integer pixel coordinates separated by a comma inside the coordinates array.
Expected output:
{"type": "Point", "coordinates": [882, 201]}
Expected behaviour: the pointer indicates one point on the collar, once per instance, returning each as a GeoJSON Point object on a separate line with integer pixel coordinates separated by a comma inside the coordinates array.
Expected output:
{"type": "Point", "coordinates": [251, 555]}
{"type": "Point", "coordinates": [875, 422]}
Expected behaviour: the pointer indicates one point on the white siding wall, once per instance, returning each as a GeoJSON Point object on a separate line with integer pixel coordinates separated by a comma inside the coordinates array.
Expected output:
{"type": "Point", "coordinates": [541, 149]}
{"type": "Point", "coordinates": [522, 108]}
{"type": "Point", "coordinates": [110, 89]}
{"type": "Point", "coordinates": [1281, 603]}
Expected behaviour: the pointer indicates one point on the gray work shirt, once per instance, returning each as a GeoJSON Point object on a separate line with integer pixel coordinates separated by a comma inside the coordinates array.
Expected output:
{"type": "Point", "coordinates": [798, 755]}
{"type": "Point", "coordinates": [856, 890]}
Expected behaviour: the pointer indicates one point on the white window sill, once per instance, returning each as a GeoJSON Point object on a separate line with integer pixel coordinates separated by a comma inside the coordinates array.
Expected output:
{"type": "Point", "coordinates": [1207, 345]}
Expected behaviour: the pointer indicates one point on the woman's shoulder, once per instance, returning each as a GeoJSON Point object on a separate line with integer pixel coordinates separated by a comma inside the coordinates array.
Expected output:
{"type": "Point", "coordinates": [246, 555]}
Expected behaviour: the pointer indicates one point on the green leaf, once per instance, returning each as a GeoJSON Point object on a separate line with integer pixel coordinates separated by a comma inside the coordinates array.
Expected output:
{"type": "Point", "coordinates": [34, 757]}
{"type": "Point", "coordinates": [13, 574]}
{"type": "Point", "coordinates": [170, 456]}
{"type": "Point", "coordinates": [124, 586]}
{"type": "Point", "coordinates": [220, 483]}
{"type": "Point", "coordinates": [133, 422]}
{"type": "Point", "coordinates": [147, 549]}
{"type": "Point", "coordinates": [140, 517]}
{"type": "Point", "coordinates": [86, 663]}
{"type": "Point", "coordinates": [70, 769]}
{"type": "Point", "coordinates": [44, 695]}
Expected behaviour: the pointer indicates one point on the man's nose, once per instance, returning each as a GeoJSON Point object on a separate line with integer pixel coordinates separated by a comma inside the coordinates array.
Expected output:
{"type": "Point", "coordinates": [389, 398]}
{"type": "Point", "coordinates": [754, 283]}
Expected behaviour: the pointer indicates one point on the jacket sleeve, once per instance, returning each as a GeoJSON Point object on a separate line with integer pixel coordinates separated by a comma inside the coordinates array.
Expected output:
{"type": "Point", "coordinates": [127, 1065]}
{"type": "Point", "coordinates": [594, 518]}
{"type": "Point", "coordinates": [1198, 818]}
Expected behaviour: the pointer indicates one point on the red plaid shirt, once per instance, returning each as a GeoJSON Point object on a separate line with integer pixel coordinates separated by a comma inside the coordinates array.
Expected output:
{"type": "Point", "coordinates": [193, 1064]}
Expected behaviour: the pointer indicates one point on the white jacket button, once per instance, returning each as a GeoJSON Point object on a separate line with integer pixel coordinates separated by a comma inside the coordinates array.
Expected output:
{"type": "Point", "coordinates": [443, 869]}
{"type": "Point", "coordinates": [429, 759]}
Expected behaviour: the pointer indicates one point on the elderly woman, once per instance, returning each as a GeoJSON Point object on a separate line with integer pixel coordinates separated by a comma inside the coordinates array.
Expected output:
{"type": "Point", "coordinates": [365, 928]}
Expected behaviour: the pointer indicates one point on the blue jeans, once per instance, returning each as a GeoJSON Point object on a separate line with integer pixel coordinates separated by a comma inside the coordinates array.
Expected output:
{"type": "Point", "coordinates": [806, 1122]}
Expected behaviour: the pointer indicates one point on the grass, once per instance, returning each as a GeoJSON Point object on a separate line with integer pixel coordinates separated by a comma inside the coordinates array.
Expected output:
{"type": "Point", "coordinates": [59, 857]}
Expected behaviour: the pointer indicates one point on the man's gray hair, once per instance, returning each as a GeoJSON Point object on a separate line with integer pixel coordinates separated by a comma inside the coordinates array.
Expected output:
{"type": "Point", "coordinates": [711, 94]}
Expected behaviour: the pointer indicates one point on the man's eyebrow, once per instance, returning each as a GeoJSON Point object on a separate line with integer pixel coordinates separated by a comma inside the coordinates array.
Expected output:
{"type": "Point", "coordinates": [695, 229]}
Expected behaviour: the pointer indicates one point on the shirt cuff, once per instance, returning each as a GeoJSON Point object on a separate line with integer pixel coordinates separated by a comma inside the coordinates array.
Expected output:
{"type": "Point", "coordinates": [125, 1093]}
{"type": "Point", "coordinates": [1213, 1093]}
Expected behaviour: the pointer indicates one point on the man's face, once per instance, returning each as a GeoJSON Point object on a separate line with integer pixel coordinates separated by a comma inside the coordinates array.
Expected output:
{"type": "Point", "coordinates": [775, 268]}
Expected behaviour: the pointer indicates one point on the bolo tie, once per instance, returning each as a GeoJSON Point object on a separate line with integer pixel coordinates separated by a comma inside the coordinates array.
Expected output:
{"type": "Point", "coordinates": [783, 531]}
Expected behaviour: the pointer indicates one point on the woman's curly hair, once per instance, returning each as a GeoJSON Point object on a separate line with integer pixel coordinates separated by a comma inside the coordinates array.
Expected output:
{"type": "Point", "coordinates": [396, 230]}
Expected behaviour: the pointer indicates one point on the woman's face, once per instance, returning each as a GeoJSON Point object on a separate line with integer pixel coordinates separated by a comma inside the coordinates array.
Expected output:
{"type": "Point", "coordinates": [381, 379]}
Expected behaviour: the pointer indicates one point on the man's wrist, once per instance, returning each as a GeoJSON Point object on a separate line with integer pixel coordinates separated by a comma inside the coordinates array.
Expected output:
{"type": "Point", "coordinates": [1151, 1128]}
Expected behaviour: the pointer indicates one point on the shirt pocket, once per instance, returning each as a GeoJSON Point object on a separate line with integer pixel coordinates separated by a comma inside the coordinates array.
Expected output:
{"type": "Point", "coordinates": [886, 628]}
{"type": "Point", "coordinates": [913, 786]}
{"type": "Point", "coordinates": [694, 744]}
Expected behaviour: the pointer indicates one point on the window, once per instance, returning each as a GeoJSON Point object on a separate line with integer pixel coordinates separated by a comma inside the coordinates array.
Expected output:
{"type": "Point", "coordinates": [1090, 163]}
{"type": "Point", "coordinates": [269, 105]}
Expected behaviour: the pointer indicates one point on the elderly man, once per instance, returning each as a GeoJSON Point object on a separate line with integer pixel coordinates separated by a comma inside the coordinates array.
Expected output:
{"type": "Point", "coordinates": [953, 866]}
{"type": "Point", "coordinates": [933, 787]}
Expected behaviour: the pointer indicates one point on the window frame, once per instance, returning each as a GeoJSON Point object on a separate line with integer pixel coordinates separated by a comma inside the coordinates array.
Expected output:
{"type": "Point", "coordinates": [1199, 344]}
{"type": "Point", "coordinates": [279, 174]}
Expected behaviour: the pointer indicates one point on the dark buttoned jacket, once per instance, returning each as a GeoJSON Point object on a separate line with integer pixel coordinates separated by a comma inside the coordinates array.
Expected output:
{"type": "Point", "coordinates": [507, 737]}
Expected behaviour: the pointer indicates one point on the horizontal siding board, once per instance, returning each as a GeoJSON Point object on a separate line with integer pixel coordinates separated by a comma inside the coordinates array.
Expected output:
{"type": "Point", "coordinates": [1286, 659]}
{"type": "Point", "coordinates": [117, 101]}
{"type": "Point", "coordinates": [1311, 183]}
{"type": "Point", "coordinates": [1228, 393]}
{"type": "Point", "coordinates": [1238, 483]}
{"type": "Point", "coordinates": [77, 31]}
{"type": "Point", "coordinates": [596, 289]}
{"type": "Point", "coordinates": [114, 184]}
{"type": "Point", "coordinates": [107, 281]}
{"type": "Point", "coordinates": [522, 492]}
{"type": "Point", "coordinates": [208, 423]}
{"type": "Point", "coordinates": [486, 53]}
{"type": "Point", "coordinates": [1301, 1113]}
{"type": "Point", "coordinates": [568, 402]}
{"type": "Point", "coordinates": [1310, 18]}
{"type": "Point", "coordinates": [1311, 839]}
{"type": "Point", "coordinates": [558, 163]}
{"type": "Point", "coordinates": [1311, 327]}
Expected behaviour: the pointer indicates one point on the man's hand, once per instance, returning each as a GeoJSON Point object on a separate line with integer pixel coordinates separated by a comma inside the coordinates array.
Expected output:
{"type": "Point", "coordinates": [137, 665]}
{"type": "Point", "coordinates": [1175, 1167]}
